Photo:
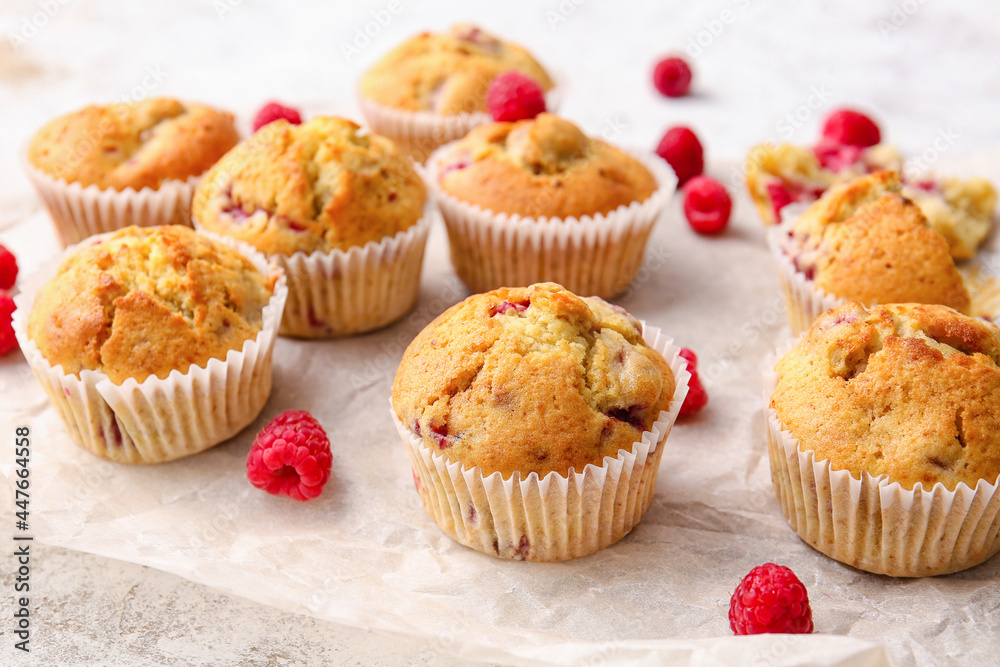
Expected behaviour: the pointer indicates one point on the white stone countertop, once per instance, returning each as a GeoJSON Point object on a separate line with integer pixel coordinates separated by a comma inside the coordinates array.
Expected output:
{"type": "Point", "coordinates": [928, 70]}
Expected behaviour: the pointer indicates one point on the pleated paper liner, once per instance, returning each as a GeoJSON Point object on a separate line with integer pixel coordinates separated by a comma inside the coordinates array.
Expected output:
{"type": "Point", "coordinates": [593, 255]}
{"type": "Point", "coordinates": [341, 293]}
{"type": "Point", "coordinates": [158, 420]}
{"type": "Point", "coordinates": [555, 517]}
{"type": "Point", "coordinates": [871, 523]}
{"type": "Point", "coordinates": [805, 301]}
{"type": "Point", "coordinates": [419, 133]}
{"type": "Point", "coordinates": [79, 212]}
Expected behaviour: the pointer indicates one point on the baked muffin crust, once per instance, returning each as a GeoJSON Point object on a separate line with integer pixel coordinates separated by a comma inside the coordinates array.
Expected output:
{"type": "Point", "coordinates": [865, 242]}
{"type": "Point", "coordinates": [319, 186]}
{"type": "Point", "coordinates": [446, 73]}
{"type": "Point", "coordinates": [532, 379]}
{"type": "Point", "coordinates": [147, 301]}
{"type": "Point", "coordinates": [543, 167]}
{"type": "Point", "coordinates": [133, 145]}
{"type": "Point", "coordinates": [908, 390]}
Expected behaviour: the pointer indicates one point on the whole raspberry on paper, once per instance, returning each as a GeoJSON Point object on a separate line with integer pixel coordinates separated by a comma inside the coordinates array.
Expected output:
{"type": "Point", "coordinates": [672, 77]}
{"type": "Point", "coordinates": [272, 111]}
{"type": "Point", "coordinates": [8, 342]}
{"type": "Point", "coordinates": [514, 96]}
{"type": "Point", "coordinates": [696, 397]}
{"type": "Point", "coordinates": [8, 268]}
{"type": "Point", "coordinates": [291, 456]}
{"type": "Point", "coordinates": [680, 147]}
{"type": "Point", "coordinates": [707, 205]}
{"type": "Point", "coordinates": [770, 599]}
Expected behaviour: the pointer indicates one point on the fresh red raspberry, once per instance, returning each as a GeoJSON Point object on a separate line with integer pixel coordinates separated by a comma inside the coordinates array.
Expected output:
{"type": "Point", "coordinates": [770, 599]}
{"type": "Point", "coordinates": [681, 148]}
{"type": "Point", "coordinates": [849, 127]}
{"type": "Point", "coordinates": [8, 343]}
{"type": "Point", "coordinates": [272, 111]}
{"type": "Point", "coordinates": [514, 96]}
{"type": "Point", "coordinates": [837, 157]}
{"type": "Point", "coordinates": [696, 397]}
{"type": "Point", "coordinates": [707, 205]}
{"type": "Point", "coordinates": [291, 456]}
{"type": "Point", "coordinates": [672, 77]}
{"type": "Point", "coordinates": [688, 355]}
{"type": "Point", "coordinates": [8, 268]}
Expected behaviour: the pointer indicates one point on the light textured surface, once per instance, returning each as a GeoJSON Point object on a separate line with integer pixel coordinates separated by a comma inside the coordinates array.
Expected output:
{"type": "Point", "coordinates": [769, 71]}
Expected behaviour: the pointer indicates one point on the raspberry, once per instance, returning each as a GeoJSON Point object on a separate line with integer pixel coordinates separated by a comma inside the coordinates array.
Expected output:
{"type": "Point", "coordinates": [696, 397]}
{"type": "Point", "coordinates": [851, 128]}
{"type": "Point", "coordinates": [706, 205]}
{"type": "Point", "coordinates": [514, 96]}
{"type": "Point", "coordinates": [672, 77]}
{"type": "Point", "coordinates": [770, 599]}
{"type": "Point", "coordinates": [8, 268]}
{"type": "Point", "coordinates": [291, 456]}
{"type": "Point", "coordinates": [272, 111]}
{"type": "Point", "coordinates": [688, 355]}
{"type": "Point", "coordinates": [681, 148]}
{"type": "Point", "coordinates": [837, 157]}
{"type": "Point", "coordinates": [8, 343]}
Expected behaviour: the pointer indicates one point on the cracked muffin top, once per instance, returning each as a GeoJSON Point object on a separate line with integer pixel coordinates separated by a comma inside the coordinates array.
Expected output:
{"type": "Point", "coordinates": [532, 379]}
{"type": "Point", "coordinates": [133, 145]}
{"type": "Point", "coordinates": [315, 187]}
{"type": "Point", "coordinates": [908, 390]}
{"type": "Point", "coordinates": [146, 301]}
{"type": "Point", "coordinates": [865, 242]}
{"type": "Point", "coordinates": [543, 167]}
{"type": "Point", "coordinates": [446, 73]}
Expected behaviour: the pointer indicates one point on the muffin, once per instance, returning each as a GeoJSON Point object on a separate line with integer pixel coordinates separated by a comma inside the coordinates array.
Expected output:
{"type": "Point", "coordinates": [538, 200]}
{"type": "Point", "coordinates": [341, 211]}
{"type": "Point", "coordinates": [863, 241]}
{"type": "Point", "coordinates": [106, 167]}
{"type": "Point", "coordinates": [783, 174]}
{"type": "Point", "coordinates": [515, 405]}
{"type": "Point", "coordinates": [883, 426]}
{"type": "Point", "coordinates": [432, 88]}
{"type": "Point", "coordinates": [152, 343]}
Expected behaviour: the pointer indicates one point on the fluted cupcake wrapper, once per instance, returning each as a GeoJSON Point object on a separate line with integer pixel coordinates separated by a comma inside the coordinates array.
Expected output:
{"type": "Point", "coordinates": [158, 420]}
{"type": "Point", "coordinates": [555, 517]}
{"type": "Point", "coordinates": [79, 212]}
{"type": "Point", "coordinates": [592, 255]}
{"type": "Point", "coordinates": [873, 524]}
{"type": "Point", "coordinates": [341, 293]}
{"type": "Point", "coordinates": [420, 133]}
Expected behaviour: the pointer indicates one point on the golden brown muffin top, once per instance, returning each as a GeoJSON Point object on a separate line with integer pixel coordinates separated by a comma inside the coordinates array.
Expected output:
{"type": "Point", "coordinates": [531, 379]}
{"type": "Point", "coordinates": [446, 73]}
{"type": "Point", "coordinates": [910, 391]}
{"type": "Point", "coordinates": [133, 145]}
{"type": "Point", "coordinates": [864, 242]}
{"type": "Point", "coordinates": [319, 186]}
{"type": "Point", "coordinates": [146, 301]}
{"type": "Point", "coordinates": [543, 167]}
{"type": "Point", "coordinates": [960, 210]}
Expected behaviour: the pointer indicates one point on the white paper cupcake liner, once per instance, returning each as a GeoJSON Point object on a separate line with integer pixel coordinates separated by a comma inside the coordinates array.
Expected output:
{"type": "Point", "coordinates": [555, 517]}
{"type": "Point", "coordinates": [158, 420]}
{"type": "Point", "coordinates": [341, 293]}
{"type": "Point", "coordinates": [79, 212]}
{"type": "Point", "coordinates": [420, 133]}
{"type": "Point", "coordinates": [592, 255]}
{"type": "Point", "coordinates": [871, 523]}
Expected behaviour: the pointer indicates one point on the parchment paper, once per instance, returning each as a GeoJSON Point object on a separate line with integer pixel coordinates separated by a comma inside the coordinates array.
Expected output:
{"type": "Point", "coordinates": [366, 554]}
